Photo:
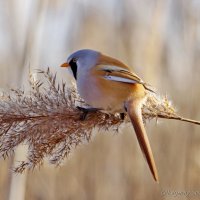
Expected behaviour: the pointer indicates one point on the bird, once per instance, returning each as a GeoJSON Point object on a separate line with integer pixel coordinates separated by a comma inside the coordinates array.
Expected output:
{"type": "Point", "coordinates": [106, 83]}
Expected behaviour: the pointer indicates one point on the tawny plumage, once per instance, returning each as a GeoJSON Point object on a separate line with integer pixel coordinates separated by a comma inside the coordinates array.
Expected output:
{"type": "Point", "coordinates": [107, 83]}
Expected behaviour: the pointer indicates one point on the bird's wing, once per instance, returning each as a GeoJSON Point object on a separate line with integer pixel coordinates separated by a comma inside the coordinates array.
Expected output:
{"type": "Point", "coordinates": [135, 114]}
{"type": "Point", "coordinates": [119, 74]}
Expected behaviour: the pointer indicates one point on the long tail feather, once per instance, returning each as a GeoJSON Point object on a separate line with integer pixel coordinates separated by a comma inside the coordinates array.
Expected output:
{"type": "Point", "coordinates": [135, 114]}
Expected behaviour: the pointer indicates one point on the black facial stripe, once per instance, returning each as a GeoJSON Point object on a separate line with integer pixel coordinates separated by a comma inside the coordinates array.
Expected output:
{"type": "Point", "coordinates": [73, 66]}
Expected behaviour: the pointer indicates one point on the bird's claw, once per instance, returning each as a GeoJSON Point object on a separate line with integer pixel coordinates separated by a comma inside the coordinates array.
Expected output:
{"type": "Point", "coordinates": [122, 116]}
{"type": "Point", "coordinates": [85, 111]}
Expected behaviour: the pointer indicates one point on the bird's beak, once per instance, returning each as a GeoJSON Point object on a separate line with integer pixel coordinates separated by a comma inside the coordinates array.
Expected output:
{"type": "Point", "coordinates": [65, 65]}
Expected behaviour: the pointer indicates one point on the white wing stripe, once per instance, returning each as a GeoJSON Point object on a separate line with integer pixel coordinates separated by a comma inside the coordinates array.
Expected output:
{"type": "Point", "coordinates": [119, 79]}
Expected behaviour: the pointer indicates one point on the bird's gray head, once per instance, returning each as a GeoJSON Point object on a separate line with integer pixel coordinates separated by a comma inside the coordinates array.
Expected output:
{"type": "Point", "coordinates": [83, 59]}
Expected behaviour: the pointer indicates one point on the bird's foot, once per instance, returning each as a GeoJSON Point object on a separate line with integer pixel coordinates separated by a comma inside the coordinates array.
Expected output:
{"type": "Point", "coordinates": [122, 116]}
{"type": "Point", "coordinates": [85, 111]}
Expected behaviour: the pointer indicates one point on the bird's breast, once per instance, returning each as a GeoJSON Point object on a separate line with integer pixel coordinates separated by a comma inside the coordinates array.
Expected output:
{"type": "Point", "coordinates": [89, 90]}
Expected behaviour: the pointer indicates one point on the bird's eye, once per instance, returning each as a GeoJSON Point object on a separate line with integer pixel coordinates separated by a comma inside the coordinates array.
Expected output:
{"type": "Point", "coordinates": [74, 60]}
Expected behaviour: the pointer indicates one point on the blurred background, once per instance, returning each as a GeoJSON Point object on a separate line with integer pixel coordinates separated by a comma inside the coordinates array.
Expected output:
{"type": "Point", "coordinates": [160, 39]}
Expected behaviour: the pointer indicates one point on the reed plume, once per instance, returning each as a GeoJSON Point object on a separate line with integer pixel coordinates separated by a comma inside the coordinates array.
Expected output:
{"type": "Point", "coordinates": [47, 120]}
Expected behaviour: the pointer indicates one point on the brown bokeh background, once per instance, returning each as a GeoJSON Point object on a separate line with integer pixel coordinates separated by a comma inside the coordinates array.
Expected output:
{"type": "Point", "coordinates": [160, 39]}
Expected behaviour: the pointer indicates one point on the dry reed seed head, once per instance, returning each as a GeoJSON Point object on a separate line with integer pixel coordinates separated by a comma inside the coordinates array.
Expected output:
{"type": "Point", "coordinates": [47, 120]}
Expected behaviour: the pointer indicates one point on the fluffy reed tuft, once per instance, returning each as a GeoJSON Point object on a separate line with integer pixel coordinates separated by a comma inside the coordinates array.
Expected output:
{"type": "Point", "coordinates": [48, 121]}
